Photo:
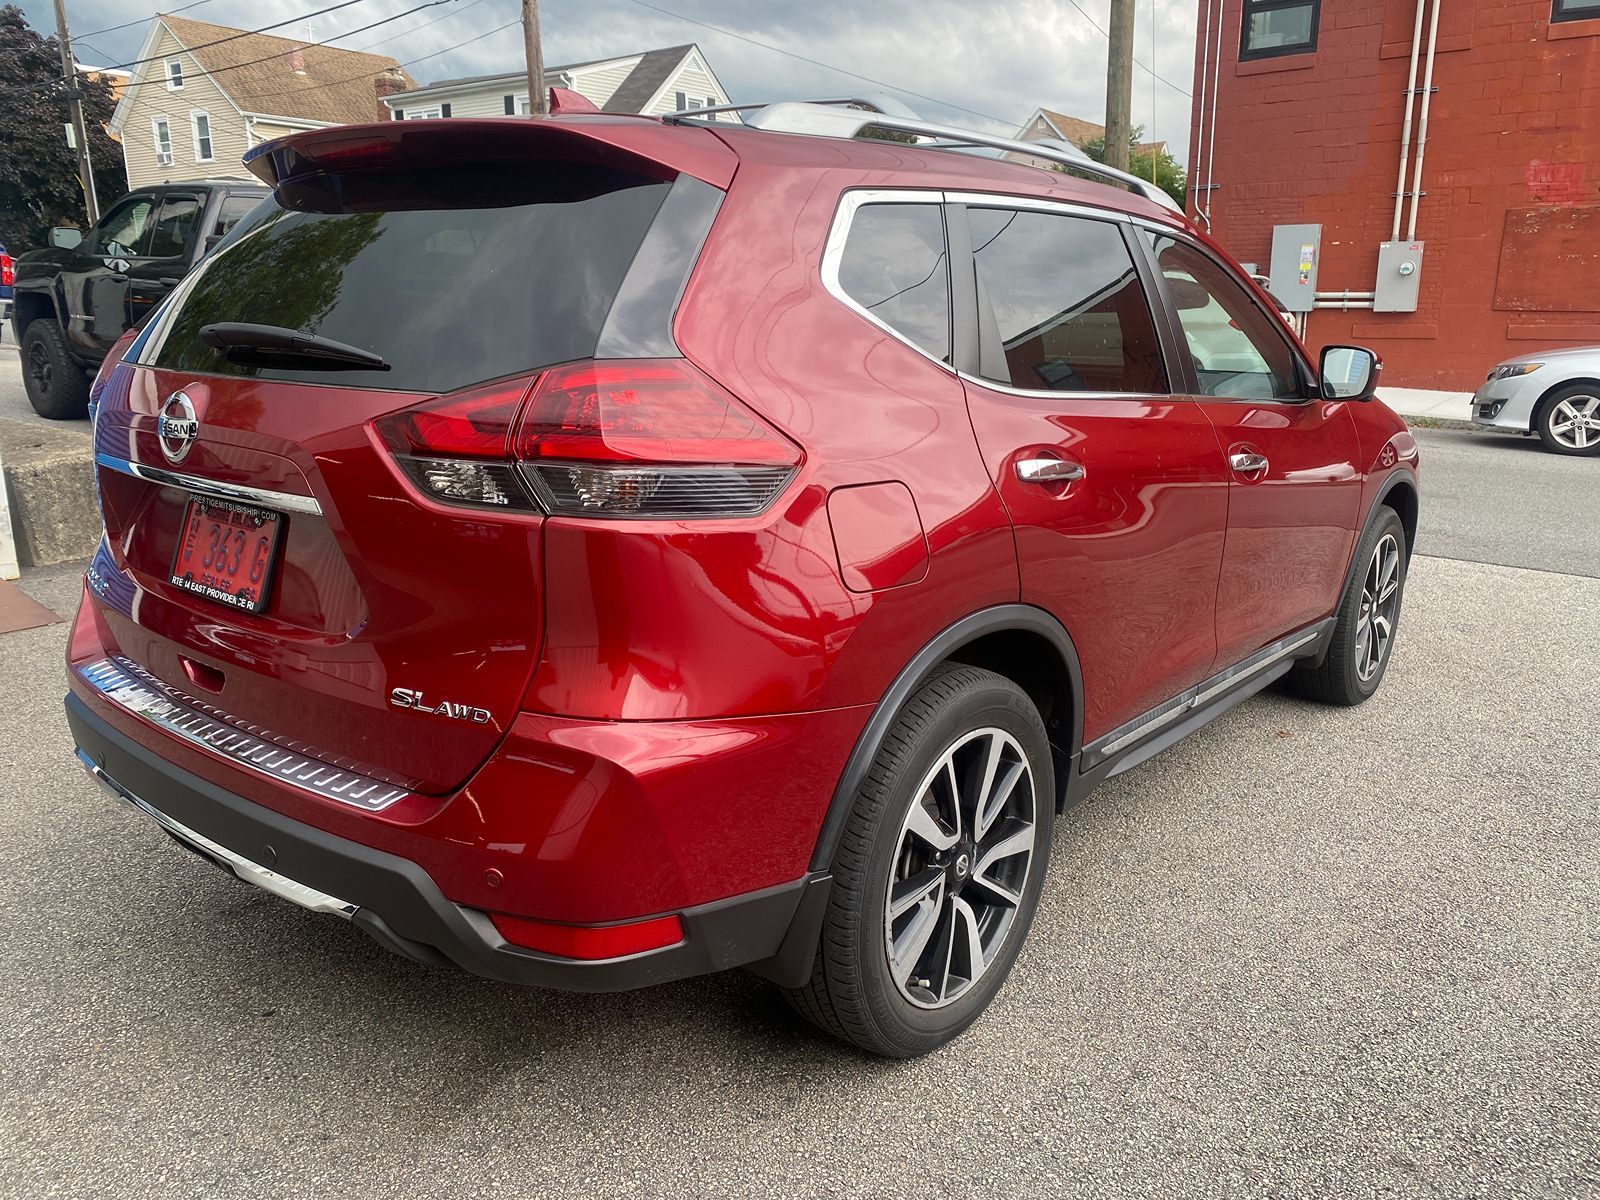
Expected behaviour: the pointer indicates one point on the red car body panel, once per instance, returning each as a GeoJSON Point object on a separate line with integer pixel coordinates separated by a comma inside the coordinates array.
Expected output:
{"type": "Point", "coordinates": [672, 703]}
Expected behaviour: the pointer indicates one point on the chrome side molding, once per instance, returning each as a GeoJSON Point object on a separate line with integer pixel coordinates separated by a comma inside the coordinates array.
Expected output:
{"type": "Point", "coordinates": [1203, 693]}
{"type": "Point", "coordinates": [216, 489]}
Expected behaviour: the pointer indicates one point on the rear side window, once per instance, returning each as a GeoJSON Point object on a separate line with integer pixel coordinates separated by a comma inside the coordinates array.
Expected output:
{"type": "Point", "coordinates": [895, 267]}
{"type": "Point", "coordinates": [453, 277]}
{"type": "Point", "coordinates": [232, 209]}
{"type": "Point", "coordinates": [1061, 305]}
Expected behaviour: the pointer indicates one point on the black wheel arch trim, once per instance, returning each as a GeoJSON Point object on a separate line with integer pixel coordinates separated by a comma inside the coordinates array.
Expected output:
{"type": "Point", "coordinates": [1398, 477]}
{"type": "Point", "coordinates": [999, 619]}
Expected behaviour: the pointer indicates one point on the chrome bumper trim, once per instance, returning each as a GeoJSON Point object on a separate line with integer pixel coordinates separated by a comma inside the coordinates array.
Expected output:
{"type": "Point", "coordinates": [135, 691]}
{"type": "Point", "coordinates": [242, 867]}
{"type": "Point", "coordinates": [217, 490]}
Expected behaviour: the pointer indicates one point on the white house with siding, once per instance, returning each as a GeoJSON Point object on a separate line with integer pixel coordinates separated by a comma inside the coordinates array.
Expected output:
{"type": "Point", "coordinates": [201, 95]}
{"type": "Point", "coordinates": [651, 82]}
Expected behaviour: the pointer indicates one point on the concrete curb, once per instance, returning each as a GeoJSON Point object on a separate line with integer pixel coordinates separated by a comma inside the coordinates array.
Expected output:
{"type": "Point", "coordinates": [49, 482]}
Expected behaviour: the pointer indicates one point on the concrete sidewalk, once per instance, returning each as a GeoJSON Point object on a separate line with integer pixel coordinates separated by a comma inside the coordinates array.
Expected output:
{"type": "Point", "coordinates": [1434, 406]}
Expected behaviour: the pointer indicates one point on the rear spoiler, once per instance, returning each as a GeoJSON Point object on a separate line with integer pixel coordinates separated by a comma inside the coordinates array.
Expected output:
{"type": "Point", "coordinates": [642, 143]}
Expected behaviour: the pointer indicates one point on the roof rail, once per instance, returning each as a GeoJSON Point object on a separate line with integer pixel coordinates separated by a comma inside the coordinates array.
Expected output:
{"type": "Point", "coordinates": [846, 118]}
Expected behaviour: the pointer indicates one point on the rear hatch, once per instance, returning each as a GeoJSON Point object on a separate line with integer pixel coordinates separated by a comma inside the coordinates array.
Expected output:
{"type": "Point", "coordinates": [329, 545]}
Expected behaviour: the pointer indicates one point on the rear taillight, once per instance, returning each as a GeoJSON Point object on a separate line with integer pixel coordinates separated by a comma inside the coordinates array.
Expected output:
{"type": "Point", "coordinates": [648, 438]}
{"type": "Point", "coordinates": [8, 271]}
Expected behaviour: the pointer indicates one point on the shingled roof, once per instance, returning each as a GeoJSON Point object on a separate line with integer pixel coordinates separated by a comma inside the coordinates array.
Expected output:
{"type": "Point", "coordinates": [1078, 131]}
{"type": "Point", "coordinates": [296, 79]}
{"type": "Point", "coordinates": [645, 80]}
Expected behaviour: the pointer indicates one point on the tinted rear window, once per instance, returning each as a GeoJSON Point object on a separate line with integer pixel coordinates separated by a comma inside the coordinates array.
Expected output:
{"type": "Point", "coordinates": [453, 280]}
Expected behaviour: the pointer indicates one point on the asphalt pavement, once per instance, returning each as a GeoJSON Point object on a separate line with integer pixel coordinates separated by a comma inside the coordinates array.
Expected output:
{"type": "Point", "coordinates": [1307, 952]}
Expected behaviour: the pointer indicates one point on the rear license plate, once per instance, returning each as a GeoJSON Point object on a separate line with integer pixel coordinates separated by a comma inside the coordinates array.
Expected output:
{"type": "Point", "coordinates": [226, 552]}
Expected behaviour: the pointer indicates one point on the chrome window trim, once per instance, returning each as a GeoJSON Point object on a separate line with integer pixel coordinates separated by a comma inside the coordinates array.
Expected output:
{"type": "Point", "coordinates": [217, 490]}
{"type": "Point", "coordinates": [850, 203]}
{"type": "Point", "coordinates": [855, 199]}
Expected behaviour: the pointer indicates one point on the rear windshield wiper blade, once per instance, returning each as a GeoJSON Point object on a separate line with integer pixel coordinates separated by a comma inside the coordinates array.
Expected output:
{"type": "Point", "coordinates": [273, 345]}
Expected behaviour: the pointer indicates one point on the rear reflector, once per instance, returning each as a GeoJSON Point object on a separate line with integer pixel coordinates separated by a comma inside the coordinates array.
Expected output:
{"type": "Point", "coordinates": [589, 941]}
{"type": "Point", "coordinates": [639, 438]}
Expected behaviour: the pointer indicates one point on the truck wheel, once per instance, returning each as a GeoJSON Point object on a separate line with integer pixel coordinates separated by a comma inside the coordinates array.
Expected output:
{"type": "Point", "coordinates": [55, 384]}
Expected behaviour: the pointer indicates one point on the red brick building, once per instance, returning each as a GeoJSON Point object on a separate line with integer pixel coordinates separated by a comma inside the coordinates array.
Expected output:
{"type": "Point", "coordinates": [1308, 103]}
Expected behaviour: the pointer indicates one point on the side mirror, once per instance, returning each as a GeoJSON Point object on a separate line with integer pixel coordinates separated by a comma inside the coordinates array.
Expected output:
{"type": "Point", "coordinates": [66, 238]}
{"type": "Point", "coordinates": [1349, 373]}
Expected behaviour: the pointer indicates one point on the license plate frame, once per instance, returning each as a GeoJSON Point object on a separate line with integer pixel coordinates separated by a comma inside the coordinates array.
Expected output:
{"type": "Point", "coordinates": [250, 522]}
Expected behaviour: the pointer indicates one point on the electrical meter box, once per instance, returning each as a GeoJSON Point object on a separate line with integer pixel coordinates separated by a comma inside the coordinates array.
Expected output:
{"type": "Point", "coordinates": [1296, 255]}
{"type": "Point", "coordinates": [1399, 277]}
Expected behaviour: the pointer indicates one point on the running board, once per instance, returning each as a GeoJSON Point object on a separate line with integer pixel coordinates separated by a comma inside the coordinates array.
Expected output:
{"type": "Point", "coordinates": [1152, 732]}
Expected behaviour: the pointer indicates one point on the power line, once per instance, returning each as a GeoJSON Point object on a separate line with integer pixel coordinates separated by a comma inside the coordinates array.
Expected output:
{"type": "Point", "coordinates": [308, 45]}
{"type": "Point", "coordinates": [1085, 14]}
{"type": "Point", "coordinates": [234, 37]}
{"type": "Point", "coordinates": [408, 62]}
{"type": "Point", "coordinates": [818, 63]}
{"type": "Point", "coordinates": [418, 28]}
{"type": "Point", "coordinates": [140, 21]}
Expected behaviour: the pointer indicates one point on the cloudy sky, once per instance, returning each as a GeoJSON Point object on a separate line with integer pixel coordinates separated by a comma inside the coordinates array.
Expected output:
{"type": "Point", "coordinates": [994, 62]}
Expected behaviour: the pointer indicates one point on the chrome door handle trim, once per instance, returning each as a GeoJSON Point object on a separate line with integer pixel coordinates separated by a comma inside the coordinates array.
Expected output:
{"type": "Point", "coordinates": [1248, 462]}
{"type": "Point", "coordinates": [1048, 470]}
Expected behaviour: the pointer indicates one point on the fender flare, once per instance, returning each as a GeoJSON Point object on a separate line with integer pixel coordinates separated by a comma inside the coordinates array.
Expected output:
{"type": "Point", "coordinates": [1001, 618]}
{"type": "Point", "coordinates": [1398, 477]}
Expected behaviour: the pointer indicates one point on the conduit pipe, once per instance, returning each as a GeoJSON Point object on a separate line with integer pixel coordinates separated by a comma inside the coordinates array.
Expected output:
{"type": "Point", "coordinates": [1422, 121]}
{"type": "Point", "coordinates": [1405, 135]}
{"type": "Point", "coordinates": [1200, 121]}
{"type": "Point", "coordinates": [1216, 80]}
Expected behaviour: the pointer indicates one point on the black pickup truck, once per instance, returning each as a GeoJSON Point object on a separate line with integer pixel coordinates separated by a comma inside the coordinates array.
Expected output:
{"type": "Point", "coordinates": [75, 298]}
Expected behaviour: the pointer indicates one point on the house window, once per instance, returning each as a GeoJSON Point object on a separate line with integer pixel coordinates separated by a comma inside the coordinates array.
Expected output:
{"type": "Point", "coordinates": [200, 126]}
{"type": "Point", "coordinates": [694, 103]}
{"type": "Point", "coordinates": [1273, 27]}
{"type": "Point", "coordinates": [174, 70]}
{"type": "Point", "coordinates": [432, 113]}
{"type": "Point", "coordinates": [1575, 10]}
{"type": "Point", "coordinates": [162, 131]}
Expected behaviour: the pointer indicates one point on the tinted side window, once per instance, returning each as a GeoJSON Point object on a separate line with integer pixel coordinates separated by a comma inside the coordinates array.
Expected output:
{"type": "Point", "coordinates": [894, 266]}
{"type": "Point", "coordinates": [170, 237]}
{"type": "Point", "coordinates": [124, 229]}
{"type": "Point", "coordinates": [1069, 313]}
{"type": "Point", "coordinates": [232, 209]}
{"type": "Point", "coordinates": [1239, 351]}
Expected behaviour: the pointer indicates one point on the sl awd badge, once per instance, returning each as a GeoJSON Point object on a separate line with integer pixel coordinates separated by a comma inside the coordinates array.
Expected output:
{"type": "Point", "coordinates": [456, 711]}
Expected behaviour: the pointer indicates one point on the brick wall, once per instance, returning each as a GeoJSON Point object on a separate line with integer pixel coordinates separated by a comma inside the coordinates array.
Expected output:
{"type": "Point", "coordinates": [1511, 215]}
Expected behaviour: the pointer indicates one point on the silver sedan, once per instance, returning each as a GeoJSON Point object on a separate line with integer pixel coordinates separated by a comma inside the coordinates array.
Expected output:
{"type": "Point", "coordinates": [1555, 394]}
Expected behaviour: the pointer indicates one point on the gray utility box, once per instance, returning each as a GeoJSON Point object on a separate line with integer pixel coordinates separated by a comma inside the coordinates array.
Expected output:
{"type": "Point", "coordinates": [1296, 255]}
{"type": "Point", "coordinates": [1399, 277]}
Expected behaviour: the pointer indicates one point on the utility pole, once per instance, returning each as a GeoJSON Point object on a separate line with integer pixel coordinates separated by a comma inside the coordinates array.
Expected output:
{"type": "Point", "coordinates": [530, 36]}
{"type": "Point", "coordinates": [80, 132]}
{"type": "Point", "coordinates": [1119, 85]}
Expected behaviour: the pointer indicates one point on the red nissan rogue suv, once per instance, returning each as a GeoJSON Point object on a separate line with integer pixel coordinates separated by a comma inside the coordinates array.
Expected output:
{"type": "Point", "coordinates": [596, 550]}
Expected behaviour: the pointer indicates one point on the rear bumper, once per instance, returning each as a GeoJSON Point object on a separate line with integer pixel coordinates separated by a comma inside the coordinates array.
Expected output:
{"type": "Point", "coordinates": [397, 903]}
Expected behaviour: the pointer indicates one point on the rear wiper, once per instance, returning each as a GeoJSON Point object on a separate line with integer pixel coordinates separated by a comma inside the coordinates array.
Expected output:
{"type": "Point", "coordinates": [273, 345]}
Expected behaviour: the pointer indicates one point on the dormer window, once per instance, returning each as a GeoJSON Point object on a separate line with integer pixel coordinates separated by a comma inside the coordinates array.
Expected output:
{"type": "Point", "coordinates": [174, 70]}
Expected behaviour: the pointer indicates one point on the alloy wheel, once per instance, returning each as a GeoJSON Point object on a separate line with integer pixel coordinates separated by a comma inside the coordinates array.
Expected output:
{"type": "Point", "coordinates": [1575, 422]}
{"type": "Point", "coordinates": [1380, 603]}
{"type": "Point", "coordinates": [39, 367]}
{"type": "Point", "coordinates": [960, 867]}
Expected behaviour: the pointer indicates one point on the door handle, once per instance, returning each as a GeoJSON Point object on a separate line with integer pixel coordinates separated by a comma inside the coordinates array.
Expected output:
{"type": "Point", "coordinates": [1249, 462]}
{"type": "Point", "coordinates": [1048, 470]}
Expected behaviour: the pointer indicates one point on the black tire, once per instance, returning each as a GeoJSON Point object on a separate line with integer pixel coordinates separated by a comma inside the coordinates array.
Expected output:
{"type": "Point", "coordinates": [56, 385]}
{"type": "Point", "coordinates": [852, 993]}
{"type": "Point", "coordinates": [1340, 677]}
{"type": "Point", "coordinates": [1584, 398]}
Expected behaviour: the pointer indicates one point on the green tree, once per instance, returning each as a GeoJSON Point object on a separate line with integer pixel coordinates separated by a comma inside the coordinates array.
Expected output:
{"type": "Point", "coordinates": [39, 185]}
{"type": "Point", "coordinates": [1169, 176]}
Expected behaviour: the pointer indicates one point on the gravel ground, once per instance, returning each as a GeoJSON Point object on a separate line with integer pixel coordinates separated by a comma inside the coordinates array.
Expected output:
{"type": "Point", "coordinates": [1304, 953]}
